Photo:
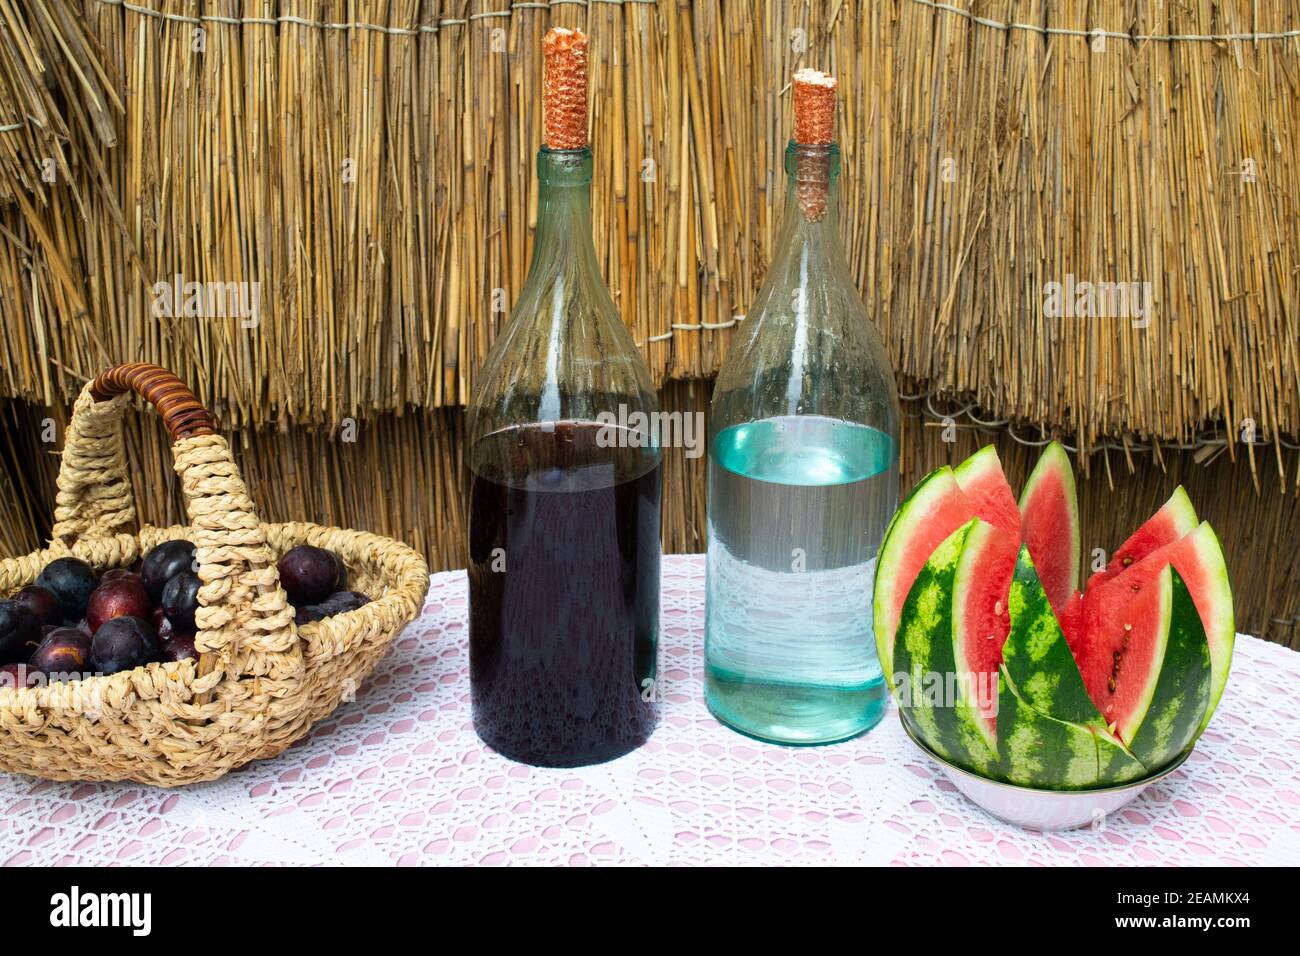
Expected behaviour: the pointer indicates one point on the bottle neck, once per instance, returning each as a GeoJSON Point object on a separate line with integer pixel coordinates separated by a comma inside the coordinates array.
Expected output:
{"type": "Point", "coordinates": [812, 196]}
{"type": "Point", "coordinates": [563, 206]}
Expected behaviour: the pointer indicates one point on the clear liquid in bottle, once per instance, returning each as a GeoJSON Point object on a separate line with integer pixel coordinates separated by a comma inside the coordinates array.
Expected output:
{"type": "Point", "coordinates": [803, 476]}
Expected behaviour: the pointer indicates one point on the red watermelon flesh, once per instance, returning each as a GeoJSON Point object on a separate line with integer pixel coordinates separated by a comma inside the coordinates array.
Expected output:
{"type": "Point", "coordinates": [1175, 519]}
{"type": "Point", "coordinates": [1198, 559]}
{"type": "Point", "coordinates": [1071, 620]}
{"type": "Point", "coordinates": [1124, 649]}
{"type": "Point", "coordinates": [981, 616]}
{"type": "Point", "coordinates": [1049, 525]}
{"type": "Point", "coordinates": [982, 481]}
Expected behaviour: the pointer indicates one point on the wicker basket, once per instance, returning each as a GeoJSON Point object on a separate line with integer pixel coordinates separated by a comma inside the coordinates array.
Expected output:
{"type": "Point", "coordinates": [260, 681]}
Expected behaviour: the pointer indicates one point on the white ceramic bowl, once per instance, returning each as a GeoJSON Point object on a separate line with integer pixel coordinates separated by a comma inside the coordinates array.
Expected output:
{"type": "Point", "coordinates": [1043, 809]}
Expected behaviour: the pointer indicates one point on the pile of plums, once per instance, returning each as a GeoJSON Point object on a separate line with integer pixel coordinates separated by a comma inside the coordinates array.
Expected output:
{"type": "Point", "coordinates": [73, 623]}
{"type": "Point", "coordinates": [316, 581]}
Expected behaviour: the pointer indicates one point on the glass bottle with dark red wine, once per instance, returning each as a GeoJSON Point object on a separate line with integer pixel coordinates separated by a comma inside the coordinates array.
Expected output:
{"type": "Point", "coordinates": [564, 503]}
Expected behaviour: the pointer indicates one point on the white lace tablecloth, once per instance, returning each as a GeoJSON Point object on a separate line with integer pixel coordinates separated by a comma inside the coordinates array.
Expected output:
{"type": "Point", "coordinates": [399, 777]}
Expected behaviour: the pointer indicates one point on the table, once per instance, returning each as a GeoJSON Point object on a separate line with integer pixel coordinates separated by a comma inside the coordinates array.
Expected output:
{"type": "Point", "coordinates": [399, 777]}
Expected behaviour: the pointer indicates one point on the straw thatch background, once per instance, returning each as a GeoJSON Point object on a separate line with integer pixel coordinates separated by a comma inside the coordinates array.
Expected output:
{"type": "Point", "coordinates": [377, 184]}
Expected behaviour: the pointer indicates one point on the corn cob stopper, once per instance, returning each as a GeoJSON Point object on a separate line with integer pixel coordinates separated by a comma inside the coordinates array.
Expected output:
{"type": "Point", "coordinates": [814, 124]}
{"type": "Point", "coordinates": [564, 88]}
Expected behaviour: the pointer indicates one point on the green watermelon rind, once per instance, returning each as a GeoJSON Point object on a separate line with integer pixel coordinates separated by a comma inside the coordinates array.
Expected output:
{"type": "Point", "coordinates": [1221, 635]}
{"type": "Point", "coordinates": [923, 653]}
{"type": "Point", "coordinates": [1115, 762]}
{"type": "Point", "coordinates": [1038, 658]}
{"type": "Point", "coordinates": [1038, 751]}
{"type": "Point", "coordinates": [911, 513]}
{"type": "Point", "coordinates": [1055, 459]}
{"type": "Point", "coordinates": [1181, 695]}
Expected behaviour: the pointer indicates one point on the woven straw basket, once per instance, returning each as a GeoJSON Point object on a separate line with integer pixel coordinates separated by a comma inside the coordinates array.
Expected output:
{"type": "Point", "coordinates": [260, 681]}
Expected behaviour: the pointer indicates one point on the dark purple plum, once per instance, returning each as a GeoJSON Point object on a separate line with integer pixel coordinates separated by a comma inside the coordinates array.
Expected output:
{"type": "Point", "coordinates": [44, 606]}
{"type": "Point", "coordinates": [180, 599]}
{"type": "Point", "coordinates": [341, 602]}
{"type": "Point", "coordinates": [124, 597]}
{"type": "Point", "coordinates": [19, 631]}
{"type": "Point", "coordinates": [70, 580]}
{"type": "Point", "coordinates": [64, 655]}
{"type": "Point", "coordinates": [122, 644]}
{"type": "Point", "coordinates": [178, 647]}
{"type": "Point", "coordinates": [308, 574]}
{"type": "Point", "coordinates": [19, 675]}
{"type": "Point", "coordinates": [165, 562]}
{"type": "Point", "coordinates": [307, 614]}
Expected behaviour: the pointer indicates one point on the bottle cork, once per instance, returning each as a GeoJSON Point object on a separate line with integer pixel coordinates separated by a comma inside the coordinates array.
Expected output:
{"type": "Point", "coordinates": [564, 88]}
{"type": "Point", "coordinates": [814, 125]}
{"type": "Point", "coordinates": [814, 107]}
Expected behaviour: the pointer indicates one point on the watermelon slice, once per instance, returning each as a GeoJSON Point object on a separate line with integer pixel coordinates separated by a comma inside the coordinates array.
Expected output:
{"type": "Point", "coordinates": [1039, 663]}
{"type": "Point", "coordinates": [1049, 524]}
{"type": "Point", "coordinates": [928, 677]}
{"type": "Point", "coordinates": [982, 480]}
{"type": "Point", "coordinates": [982, 619]}
{"type": "Point", "coordinates": [1146, 664]}
{"type": "Point", "coordinates": [1175, 519]}
{"type": "Point", "coordinates": [935, 508]}
{"type": "Point", "coordinates": [1037, 656]}
{"type": "Point", "coordinates": [1198, 559]}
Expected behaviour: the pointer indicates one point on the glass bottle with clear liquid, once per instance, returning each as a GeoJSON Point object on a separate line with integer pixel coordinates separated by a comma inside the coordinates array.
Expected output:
{"type": "Point", "coordinates": [802, 481]}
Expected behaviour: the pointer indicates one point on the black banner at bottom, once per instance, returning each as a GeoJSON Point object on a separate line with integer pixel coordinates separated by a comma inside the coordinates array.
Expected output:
{"type": "Point", "coordinates": [144, 906]}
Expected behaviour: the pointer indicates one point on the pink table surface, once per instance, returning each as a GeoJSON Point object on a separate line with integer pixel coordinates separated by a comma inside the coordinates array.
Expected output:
{"type": "Point", "coordinates": [399, 777]}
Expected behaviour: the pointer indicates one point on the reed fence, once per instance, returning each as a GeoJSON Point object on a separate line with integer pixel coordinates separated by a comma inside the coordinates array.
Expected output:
{"type": "Point", "coordinates": [367, 168]}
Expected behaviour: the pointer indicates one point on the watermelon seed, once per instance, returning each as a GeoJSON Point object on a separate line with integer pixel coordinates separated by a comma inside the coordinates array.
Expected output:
{"type": "Point", "coordinates": [1128, 627]}
{"type": "Point", "coordinates": [1126, 560]}
{"type": "Point", "coordinates": [1136, 588]}
{"type": "Point", "coordinates": [997, 607]}
{"type": "Point", "coordinates": [1114, 671]}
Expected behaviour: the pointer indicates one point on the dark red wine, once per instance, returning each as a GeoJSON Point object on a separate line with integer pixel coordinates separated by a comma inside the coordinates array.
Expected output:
{"type": "Point", "coordinates": [564, 593]}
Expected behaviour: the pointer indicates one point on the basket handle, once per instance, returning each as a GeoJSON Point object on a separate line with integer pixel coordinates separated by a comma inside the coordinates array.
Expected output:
{"type": "Point", "coordinates": [245, 624]}
{"type": "Point", "coordinates": [94, 492]}
{"type": "Point", "coordinates": [182, 413]}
